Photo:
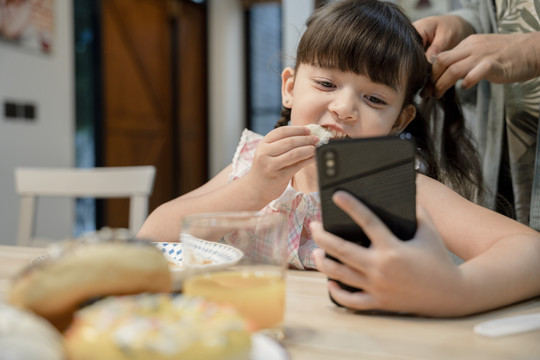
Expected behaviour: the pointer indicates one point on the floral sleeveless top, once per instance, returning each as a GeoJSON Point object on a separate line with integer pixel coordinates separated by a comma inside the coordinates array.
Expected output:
{"type": "Point", "coordinates": [301, 209]}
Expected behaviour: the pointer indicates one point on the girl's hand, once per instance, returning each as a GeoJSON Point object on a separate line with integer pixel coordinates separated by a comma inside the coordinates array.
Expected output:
{"type": "Point", "coordinates": [280, 155]}
{"type": "Point", "coordinates": [416, 276]}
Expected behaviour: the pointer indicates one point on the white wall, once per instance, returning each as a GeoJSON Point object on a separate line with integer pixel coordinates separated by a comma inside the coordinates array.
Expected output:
{"type": "Point", "coordinates": [294, 15]}
{"type": "Point", "coordinates": [226, 71]}
{"type": "Point", "coordinates": [47, 81]}
{"type": "Point", "coordinates": [226, 78]}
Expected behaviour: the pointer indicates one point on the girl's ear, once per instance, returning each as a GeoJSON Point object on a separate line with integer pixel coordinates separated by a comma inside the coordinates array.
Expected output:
{"type": "Point", "coordinates": [407, 115]}
{"type": "Point", "coordinates": [287, 86]}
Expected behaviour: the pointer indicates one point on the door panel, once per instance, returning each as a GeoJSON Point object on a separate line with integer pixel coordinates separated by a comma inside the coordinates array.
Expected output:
{"type": "Point", "coordinates": [147, 119]}
{"type": "Point", "coordinates": [192, 85]}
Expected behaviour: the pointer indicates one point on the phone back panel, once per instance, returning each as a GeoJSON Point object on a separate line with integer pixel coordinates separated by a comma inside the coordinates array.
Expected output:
{"type": "Point", "coordinates": [378, 171]}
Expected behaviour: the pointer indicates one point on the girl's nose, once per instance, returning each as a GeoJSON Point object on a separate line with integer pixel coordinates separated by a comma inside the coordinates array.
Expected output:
{"type": "Point", "coordinates": [344, 105]}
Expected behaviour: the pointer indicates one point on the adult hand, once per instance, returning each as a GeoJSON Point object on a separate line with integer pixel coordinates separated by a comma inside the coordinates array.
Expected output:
{"type": "Point", "coordinates": [280, 155]}
{"type": "Point", "coordinates": [499, 58]}
{"type": "Point", "coordinates": [441, 33]}
{"type": "Point", "coordinates": [415, 276]}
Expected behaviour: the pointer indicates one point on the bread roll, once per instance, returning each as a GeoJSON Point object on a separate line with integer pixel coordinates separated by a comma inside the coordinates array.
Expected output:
{"type": "Point", "coordinates": [77, 271]}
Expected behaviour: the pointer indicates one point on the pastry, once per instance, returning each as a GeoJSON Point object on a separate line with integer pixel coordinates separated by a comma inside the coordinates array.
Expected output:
{"type": "Point", "coordinates": [25, 336]}
{"type": "Point", "coordinates": [322, 133]}
{"type": "Point", "coordinates": [325, 134]}
{"type": "Point", "coordinates": [157, 327]}
{"type": "Point", "coordinates": [77, 271]}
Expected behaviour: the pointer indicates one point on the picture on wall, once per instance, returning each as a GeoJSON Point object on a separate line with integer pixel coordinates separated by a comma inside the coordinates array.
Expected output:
{"type": "Point", "coordinates": [28, 23]}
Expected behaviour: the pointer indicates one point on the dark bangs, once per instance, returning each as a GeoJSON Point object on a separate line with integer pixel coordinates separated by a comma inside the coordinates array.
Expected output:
{"type": "Point", "coordinates": [369, 38]}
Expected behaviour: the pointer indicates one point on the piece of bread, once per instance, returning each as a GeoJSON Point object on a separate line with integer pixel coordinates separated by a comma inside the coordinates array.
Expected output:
{"type": "Point", "coordinates": [322, 133]}
{"type": "Point", "coordinates": [77, 271]}
{"type": "Point", "coordinates": [157, 327]}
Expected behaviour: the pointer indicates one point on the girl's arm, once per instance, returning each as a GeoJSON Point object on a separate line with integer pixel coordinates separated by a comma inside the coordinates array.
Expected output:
{"type": "Point", "coordinates": [279, 155]}
{"type": "Point", "coordinates": [466, 228]}
{"type": "Point", "coordinates": [502, 258]}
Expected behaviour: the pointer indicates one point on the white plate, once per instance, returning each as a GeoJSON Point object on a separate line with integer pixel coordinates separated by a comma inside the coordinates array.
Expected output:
{"type": "Point", "coordinates": [40, 258]}
{"type": "Point", "coordinates": [509, 325]}
{"type": "Point", "coordinates": [211, 256]}
{"type": "Point", "coordinates": [266, 348]}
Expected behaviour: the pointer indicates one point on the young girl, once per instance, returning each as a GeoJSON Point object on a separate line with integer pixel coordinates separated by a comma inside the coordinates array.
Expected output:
{"type": "Point", "coordinates": [360, 68]}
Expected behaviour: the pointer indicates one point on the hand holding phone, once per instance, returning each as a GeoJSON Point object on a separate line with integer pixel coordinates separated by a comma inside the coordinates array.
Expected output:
{"type": "Point", "coordinates": [378, 171]}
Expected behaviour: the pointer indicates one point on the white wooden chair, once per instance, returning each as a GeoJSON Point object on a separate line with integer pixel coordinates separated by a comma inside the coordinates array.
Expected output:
{"type": "Point", "coordinates": [133, 182]}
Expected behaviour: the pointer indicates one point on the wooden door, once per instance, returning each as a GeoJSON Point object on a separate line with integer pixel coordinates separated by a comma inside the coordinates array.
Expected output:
{"type": "Point", "coordinates": [154, 76]}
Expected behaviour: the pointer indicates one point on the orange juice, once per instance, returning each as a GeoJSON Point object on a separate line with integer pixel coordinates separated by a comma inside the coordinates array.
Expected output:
{"type": "Point", "coordinates": [259, 297]}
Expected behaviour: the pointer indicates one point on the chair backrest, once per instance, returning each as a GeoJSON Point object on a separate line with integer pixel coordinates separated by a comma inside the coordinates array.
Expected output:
{"type": "Point", "coordinates": [133, 182]}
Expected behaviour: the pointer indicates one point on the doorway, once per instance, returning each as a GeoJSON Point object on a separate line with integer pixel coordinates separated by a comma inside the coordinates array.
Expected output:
{"type": "Point", "coordinates": [152, 96]}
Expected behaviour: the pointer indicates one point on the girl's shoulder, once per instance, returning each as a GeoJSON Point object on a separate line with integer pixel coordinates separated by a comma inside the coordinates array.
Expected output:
{"type": "Point", "coordinates": [440, 200]}
{"type": "Point", "coordinates": [245, 151]}
{"type": "Point", "coordinates": [427, 186]}
{"type": "Point", "coordinates": [247, 145]}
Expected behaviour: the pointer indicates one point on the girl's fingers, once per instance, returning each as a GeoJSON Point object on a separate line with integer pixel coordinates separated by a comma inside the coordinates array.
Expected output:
{"type": "Point", "coordinates": [373, 227]}
{"type": "Point", "coordinates": [339, 272]}
{"type": "Point", "coordinates": [349, 253]}
{"type": "Point", "coordinates": [280, 143]}
{"type": "Point", "coordinates": [359, 300]}
{"type": "Point", "coordinates": [295, 156]}
{"type": "Point", "coordinates": [286, 131]}
{"type": "Point", "coordinates": [286, 145]}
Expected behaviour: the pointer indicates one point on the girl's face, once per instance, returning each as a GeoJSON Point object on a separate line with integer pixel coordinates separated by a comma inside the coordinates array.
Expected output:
{"type": "Point", "coordinates": [345, 102]}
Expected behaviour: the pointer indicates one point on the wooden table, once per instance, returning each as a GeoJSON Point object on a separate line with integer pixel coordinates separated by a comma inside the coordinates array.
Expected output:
{"type": "Point", "coordinates": [316, 329]}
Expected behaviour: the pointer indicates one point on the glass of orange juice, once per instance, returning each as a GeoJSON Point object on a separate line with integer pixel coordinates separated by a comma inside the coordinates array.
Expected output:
{"type": "Point", "coordinates": [238, 258]}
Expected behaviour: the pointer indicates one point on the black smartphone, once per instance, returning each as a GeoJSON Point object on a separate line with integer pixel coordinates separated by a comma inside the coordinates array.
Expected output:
{"type": "Point", "coordinates": [380, 172]}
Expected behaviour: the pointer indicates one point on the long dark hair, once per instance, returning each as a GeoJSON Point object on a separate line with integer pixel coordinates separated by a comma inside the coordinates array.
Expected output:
{"type": "Point", "coordinates": [376, 39]}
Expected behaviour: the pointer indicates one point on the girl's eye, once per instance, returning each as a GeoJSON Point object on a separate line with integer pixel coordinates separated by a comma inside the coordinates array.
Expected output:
{"type": "Point", "coordinates": [325, 84]}
{"type": "Point", "coordinates": [375, 100]}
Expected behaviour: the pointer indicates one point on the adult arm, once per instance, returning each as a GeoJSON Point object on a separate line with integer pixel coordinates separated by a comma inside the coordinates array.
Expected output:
{"type": "Point", "coordinates": [441, 33]}
{"type": "Point", "coordinates": [464, 46]}
{"type": "Point", "coordinates": [498, 58]}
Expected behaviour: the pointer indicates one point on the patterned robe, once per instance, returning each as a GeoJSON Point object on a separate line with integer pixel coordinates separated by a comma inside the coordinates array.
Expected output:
{"type": "Point", "coordinates": [506, 118]}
